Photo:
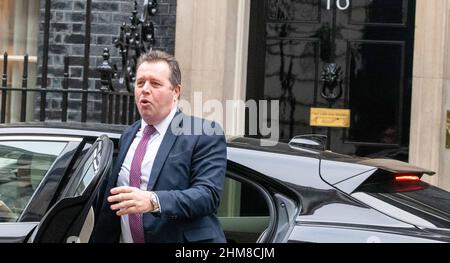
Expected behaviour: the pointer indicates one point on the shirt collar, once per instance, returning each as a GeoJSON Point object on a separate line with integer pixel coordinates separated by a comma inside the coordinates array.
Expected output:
{"type": "Point", "coordinates": [162, 127]}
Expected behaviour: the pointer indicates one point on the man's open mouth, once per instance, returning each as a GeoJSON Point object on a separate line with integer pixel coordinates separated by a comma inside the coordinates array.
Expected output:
{"type": "Point", "coordinates": [145, 102]}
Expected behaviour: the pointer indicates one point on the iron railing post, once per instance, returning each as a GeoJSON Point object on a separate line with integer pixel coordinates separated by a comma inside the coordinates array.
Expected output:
{"type": "Point", "coordinates": [23, 107]}
{"type": "Point", "coordinates": [45, 59]}
{"type": "Point", "coordinates": [4, 86]}
{"type": "Point", "coordinates": [65, 95]}
{"type": "Point", "coordinates": [124, 107]}
{"type": "Point", "coordinates": [106, 73]}
{"type": "Point", "coordinates": [87, 45]}
{"type": "Point", "coordinates": [131, 106]}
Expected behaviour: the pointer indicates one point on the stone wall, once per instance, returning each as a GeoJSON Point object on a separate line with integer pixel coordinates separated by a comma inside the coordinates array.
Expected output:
{"type": "Point", "coordinates": [67, 36]}
{"type": "Point", "coordinates": [431, 90]}
{"type": "Point", "coordinates": [212, 48]}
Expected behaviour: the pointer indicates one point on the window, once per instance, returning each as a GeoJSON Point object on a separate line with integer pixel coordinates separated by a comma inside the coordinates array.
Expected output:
{"type": "Point", "coordinates": [23, 164]}
{"type": "Point", "coordinates": [89, 168]}
{"type": "Point", "coordinates": [243, 213]}
{"type": "Point", "coordinates": [19, 27]}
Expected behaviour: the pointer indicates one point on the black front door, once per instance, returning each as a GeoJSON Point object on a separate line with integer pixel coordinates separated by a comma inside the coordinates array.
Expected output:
{"type": "Point", "coordinates": [342, 54]}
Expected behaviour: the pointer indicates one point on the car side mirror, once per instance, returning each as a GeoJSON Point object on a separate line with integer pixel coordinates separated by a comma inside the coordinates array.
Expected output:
{"type": "Point", "coordinates": [316, 142]}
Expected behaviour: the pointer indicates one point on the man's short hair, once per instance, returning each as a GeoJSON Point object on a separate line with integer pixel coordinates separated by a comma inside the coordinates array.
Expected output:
{"type": "Point", "coordinates": [157, 56]}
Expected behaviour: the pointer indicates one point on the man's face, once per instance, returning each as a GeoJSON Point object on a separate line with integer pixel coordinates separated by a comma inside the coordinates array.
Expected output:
{"type": "Point", "coordinates": [154, 94]}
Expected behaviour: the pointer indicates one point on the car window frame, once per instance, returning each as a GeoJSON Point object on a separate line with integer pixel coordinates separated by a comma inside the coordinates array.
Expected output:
{"type": "Point", "coordinates": [47, 187]}
{"type": "Point", "coordinates": [267, 198]}
{"type": "Point", "coordinates": [269, 188]}
{"type": "Point", "coordinates": [67, 228]}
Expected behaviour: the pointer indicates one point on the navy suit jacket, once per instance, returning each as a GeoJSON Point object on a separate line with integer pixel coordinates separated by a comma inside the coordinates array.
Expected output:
{"type": "Point", "coordinates": [188, 176]}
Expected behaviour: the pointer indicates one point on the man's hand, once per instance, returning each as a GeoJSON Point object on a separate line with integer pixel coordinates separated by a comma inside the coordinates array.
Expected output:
{"type": "Point", "coordinates": [130, 200]}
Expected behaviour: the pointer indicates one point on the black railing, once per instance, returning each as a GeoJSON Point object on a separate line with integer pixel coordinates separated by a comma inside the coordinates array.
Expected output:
{"type": "Point", "coordinates": [120, 109]}
{"type": "Point", "coordinates": [117, 85]}
{"type": "Point", "coordinates": [117, 89]}
{"type": "Point", "coordinates": [5, 89]}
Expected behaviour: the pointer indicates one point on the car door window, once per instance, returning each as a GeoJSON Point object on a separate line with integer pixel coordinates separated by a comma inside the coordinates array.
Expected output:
{"type": "Point", "coordinates": [243, 213]}
{"type": "Point", "coordinates": [88, 169]}
{"type": "Point", "coordinates": [69, 220]}
{"type": "Point", "coordinates": [23, 164]}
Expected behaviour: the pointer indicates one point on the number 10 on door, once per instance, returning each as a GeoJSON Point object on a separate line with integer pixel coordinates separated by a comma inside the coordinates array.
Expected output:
{"type": "Point", "coordinates": [339, 4]}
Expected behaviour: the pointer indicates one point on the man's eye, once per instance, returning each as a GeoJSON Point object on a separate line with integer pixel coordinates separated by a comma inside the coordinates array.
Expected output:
{"type": "Point", "coordinates": [140, 83]}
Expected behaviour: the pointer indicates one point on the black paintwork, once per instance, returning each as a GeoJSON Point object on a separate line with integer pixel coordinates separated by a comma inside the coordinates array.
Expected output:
{"type": "Point", "coordinates": [319, 212]}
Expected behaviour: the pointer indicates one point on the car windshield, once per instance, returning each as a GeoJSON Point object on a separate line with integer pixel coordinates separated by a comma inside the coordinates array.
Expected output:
{"type": "Point", "coordinates": [23, 164]}
{"type": "Point", "coordinates": [423, 204]}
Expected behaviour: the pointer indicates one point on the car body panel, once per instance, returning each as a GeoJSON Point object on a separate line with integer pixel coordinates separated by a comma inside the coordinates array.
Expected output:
{"type": "Point", "coordinates": [348, 212]}
{"type": "Point", "coordinates": [310, 191]}
{"type": "Point", "coordinates": [349, 185]}
{"type": "Point", "coordinates": [264, 163]}
{"type": "Point", "coordinates": [322, 202]}
{"type": "Point", "coordinates": [334, 172]}
{"type": "Point", "coordinates": [353, 234]}
{"type": "Point", "coordinates": [66, 129]}
{"type": "Point", "coordinates": [16, 232]}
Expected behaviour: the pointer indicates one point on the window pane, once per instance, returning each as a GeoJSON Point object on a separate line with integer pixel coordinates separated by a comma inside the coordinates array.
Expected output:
{"type": "Point", "coordinates": [19, 27]}
{"type": "Point", "coordinates": [294, 10]}
{"type": "Point", "coordinates": [88, 171]}
{"type": "Point", "coordinates": [23, 164]}
{"type": "Point", "coordinates": [379, 11]}
{"type": "Point", "coordinates": [243, 212]}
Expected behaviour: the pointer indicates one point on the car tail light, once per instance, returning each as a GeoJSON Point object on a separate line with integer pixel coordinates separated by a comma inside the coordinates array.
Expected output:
{"type": "Point", "coordinates": [387, 176]}
{"type": "Point", "coordinates": [385, 181]}
{"type": "Point", "coordinates": [406, 178]}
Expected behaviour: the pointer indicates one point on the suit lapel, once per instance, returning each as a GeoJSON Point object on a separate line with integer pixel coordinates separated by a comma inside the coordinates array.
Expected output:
{"type": "Point", "coordinates": [127, 138]}
{"type": "Point", "coordinates": [164, 149]}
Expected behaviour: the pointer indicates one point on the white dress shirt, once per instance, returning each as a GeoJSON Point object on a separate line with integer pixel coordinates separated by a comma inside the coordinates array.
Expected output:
{"type": "Point", "coordinates": [147, 164]}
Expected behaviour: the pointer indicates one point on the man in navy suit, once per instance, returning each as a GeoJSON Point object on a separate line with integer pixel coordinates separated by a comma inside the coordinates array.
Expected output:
{"type": "Point", "coordinates": [169, 174]}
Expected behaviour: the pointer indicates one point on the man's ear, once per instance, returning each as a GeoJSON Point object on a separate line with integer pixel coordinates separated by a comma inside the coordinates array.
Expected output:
{"type": "Point", "coordinates": [178, 88]}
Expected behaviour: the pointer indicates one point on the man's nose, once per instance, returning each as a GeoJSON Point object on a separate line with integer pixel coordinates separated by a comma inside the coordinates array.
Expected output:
{"type": "Point", "coordinates": [147, 87]}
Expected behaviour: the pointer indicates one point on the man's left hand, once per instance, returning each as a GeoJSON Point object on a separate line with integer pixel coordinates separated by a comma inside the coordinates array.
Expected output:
{"type": "Point", "coordinates": [130, 200]}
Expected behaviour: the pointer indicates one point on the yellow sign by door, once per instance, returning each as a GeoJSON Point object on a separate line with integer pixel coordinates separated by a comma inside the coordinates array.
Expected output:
{"type": "Point", "coordinates": [339, 118]}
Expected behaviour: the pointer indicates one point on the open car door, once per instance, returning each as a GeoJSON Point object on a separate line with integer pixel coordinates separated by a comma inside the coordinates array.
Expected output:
{"type": "Point", "coordinates": [67, 219]}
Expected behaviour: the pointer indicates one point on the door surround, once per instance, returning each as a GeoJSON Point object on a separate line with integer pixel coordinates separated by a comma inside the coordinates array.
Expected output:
{"type": "Point", "coordinates": [430, 90]}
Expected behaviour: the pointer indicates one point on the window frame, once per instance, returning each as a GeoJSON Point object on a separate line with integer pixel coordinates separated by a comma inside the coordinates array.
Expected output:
{"type": "Point", "coordinates": [265, 187]}
{"type": "Point", "coordinates": [43, 195]}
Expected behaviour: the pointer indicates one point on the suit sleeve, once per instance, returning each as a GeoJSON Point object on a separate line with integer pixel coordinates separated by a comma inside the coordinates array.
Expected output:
{"type": "Point", "coordinates": [202, 198]}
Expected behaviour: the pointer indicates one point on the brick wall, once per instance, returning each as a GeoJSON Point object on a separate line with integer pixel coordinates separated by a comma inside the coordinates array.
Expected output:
{"type": "Point", "coordinates": [67, 36]}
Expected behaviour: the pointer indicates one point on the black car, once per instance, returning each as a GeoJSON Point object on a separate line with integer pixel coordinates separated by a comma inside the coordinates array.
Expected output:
{"type": "Point", "coordinates": [290, 192]}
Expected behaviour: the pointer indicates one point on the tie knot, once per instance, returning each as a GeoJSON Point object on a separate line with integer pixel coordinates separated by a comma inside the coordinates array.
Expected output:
{"type": "Point", "coordinates": [149, 130]}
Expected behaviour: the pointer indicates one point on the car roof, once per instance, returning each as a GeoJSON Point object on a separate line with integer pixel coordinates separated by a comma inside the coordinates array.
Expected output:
{"type": "Point", "coordinates": [115, 130]}
{"type": "Point", "coordinates": [64, 128]}
{"type": "Point", "coordinates": [285, 148]}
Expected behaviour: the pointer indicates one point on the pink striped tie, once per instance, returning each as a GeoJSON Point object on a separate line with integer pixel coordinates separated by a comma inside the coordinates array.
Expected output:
{"type": "Point", "coordinates": [135, 220]}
